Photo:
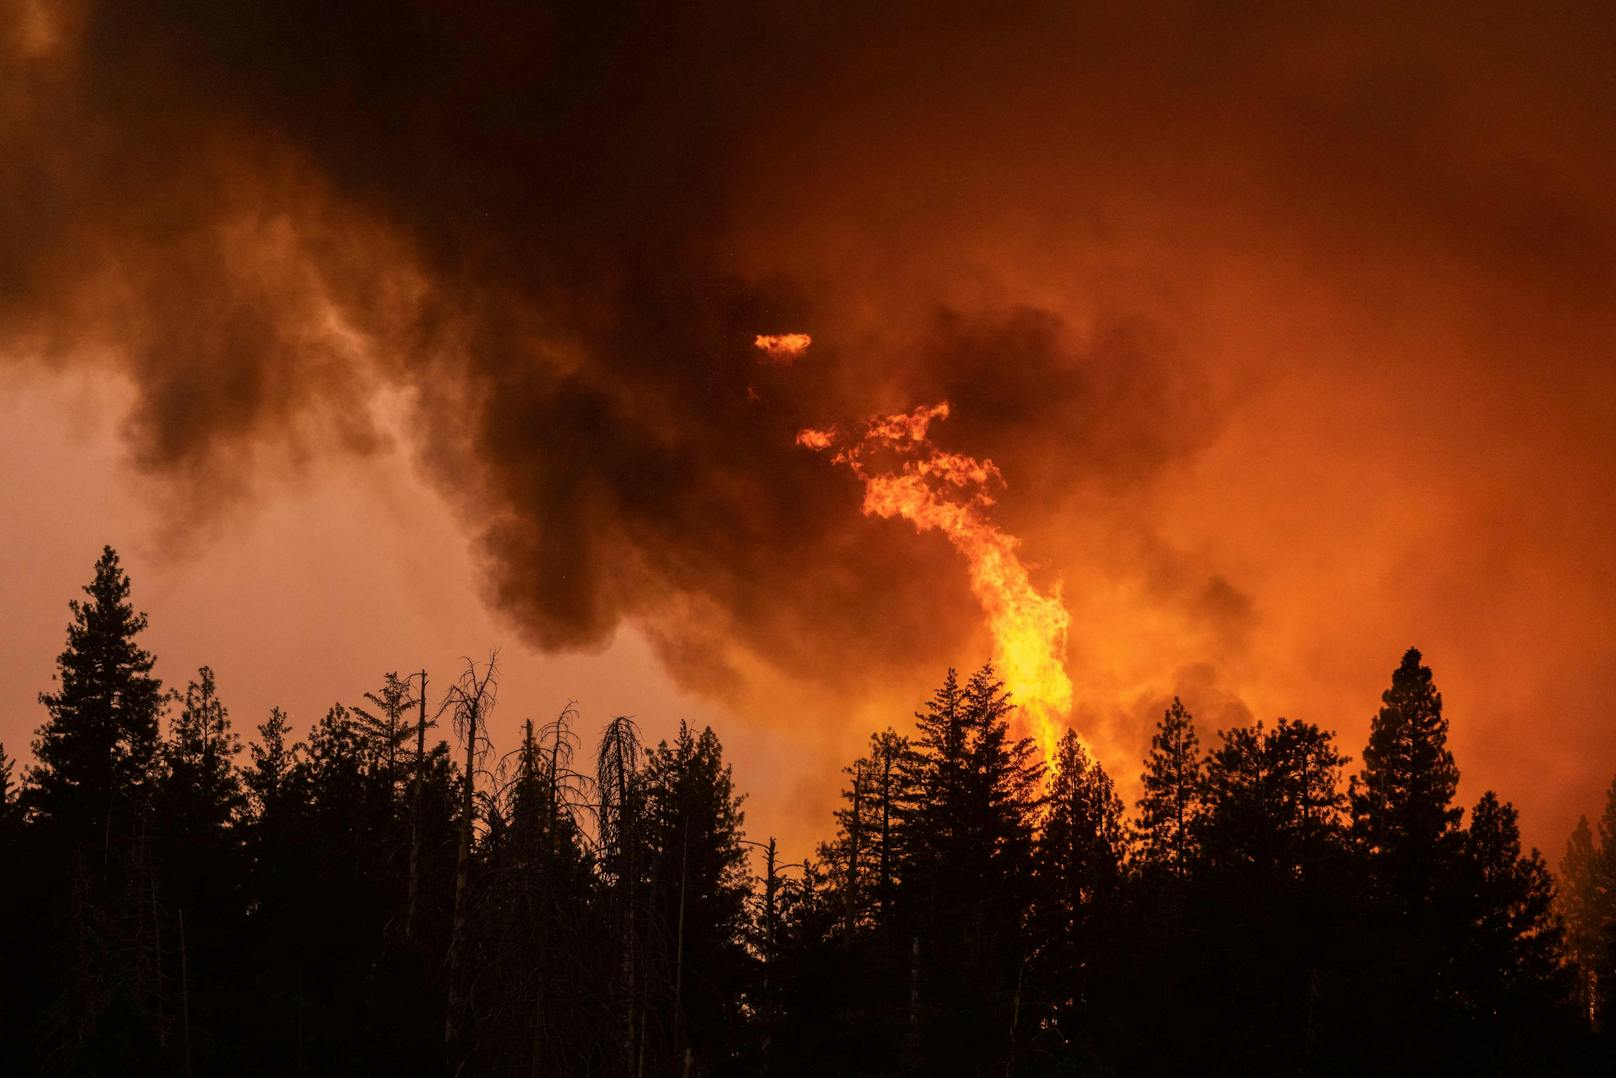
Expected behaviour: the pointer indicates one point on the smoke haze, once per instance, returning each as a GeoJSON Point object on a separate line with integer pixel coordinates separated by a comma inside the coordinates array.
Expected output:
{"type": "Point", "coordinates": [1288, 331]}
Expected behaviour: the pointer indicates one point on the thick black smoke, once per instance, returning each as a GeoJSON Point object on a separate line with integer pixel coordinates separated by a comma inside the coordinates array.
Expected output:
{"type": "Point", "coordinates": [262, 213]}
{"type": "Point", "coordinates": [560, 226]}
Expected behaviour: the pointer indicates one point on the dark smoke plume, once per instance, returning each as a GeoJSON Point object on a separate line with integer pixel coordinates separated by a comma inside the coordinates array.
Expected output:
{"type": "Point", "coordinates": [262, 214]}
{"type": "Point", "coordinates": [561, 227]}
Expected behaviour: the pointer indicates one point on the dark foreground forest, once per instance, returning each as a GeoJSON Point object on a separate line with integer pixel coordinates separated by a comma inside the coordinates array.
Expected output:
{"type": "Point", "coordinates": [350, 903]}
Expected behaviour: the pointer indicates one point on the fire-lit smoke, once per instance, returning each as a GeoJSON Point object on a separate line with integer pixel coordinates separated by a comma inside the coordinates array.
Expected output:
{"type": "Point", "coordinates": [784, 348]}
{"type": "Point", "coordinates": [1282, 322]}
{"type": "Point", "coordinates": [936, 490]}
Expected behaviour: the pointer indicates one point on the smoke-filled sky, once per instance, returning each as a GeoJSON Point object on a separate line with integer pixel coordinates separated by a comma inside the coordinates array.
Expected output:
{"type": "Point", "coordinates": [379, 334]}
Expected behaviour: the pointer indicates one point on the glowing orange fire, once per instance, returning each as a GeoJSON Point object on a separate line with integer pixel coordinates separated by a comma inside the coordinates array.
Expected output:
{"type": "Point", "coordinates": [941, 491]}
{"type": "Point", "coordinates": [782, 348]}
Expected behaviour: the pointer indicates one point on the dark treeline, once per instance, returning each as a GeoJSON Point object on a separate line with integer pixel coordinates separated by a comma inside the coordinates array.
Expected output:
{"type": "Point", "coordinates": [391, 894]}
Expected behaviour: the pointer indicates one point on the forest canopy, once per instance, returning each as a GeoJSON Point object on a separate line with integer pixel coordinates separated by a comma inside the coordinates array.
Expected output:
{"type": "Point", "coordinates": [390, 890]}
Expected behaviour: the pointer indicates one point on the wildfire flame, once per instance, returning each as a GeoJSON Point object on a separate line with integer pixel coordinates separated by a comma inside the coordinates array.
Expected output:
{"type": "Point", "coordinates": [936, 490]}
{"type": "Point", "coordinates": [782, 348]}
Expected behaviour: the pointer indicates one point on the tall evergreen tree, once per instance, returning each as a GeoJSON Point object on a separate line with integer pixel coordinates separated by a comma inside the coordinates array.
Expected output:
{"type": "Point", "coordinates": [1406, 828]}
{"type": "Point", "coordinates": [1273, 799]}
{"type": "Point", "coordinates": [1604, 915]}
{"type": "Point", "coordinates": [851, 983]}
{"type": "Point", "coordinates": [272, 764]}
{"type": "Point", "coordinates": [384, 727]}
{"type": "Point", "coordinates": [200, 884]}
{"type": "Point", "coordinates": [97, 750]}
{"type": "Point", "coordinates": [1081, 841]}
{"type": "Point", "coordinates": [1081, 844]}
{"type": "Point", "coordinates": [279, 842]}
{"type": "Point", "coordinates": [1510, 970]}
{"type": "Point", "coordinates": [1270, 892]}
{"type": "Point", "coordinates": [866, 856]}
{"type": "Point", "coordinates": [969, 870]}
{"type": "Point", "coordinates": [1174, 793]}
{"type": "Point", "coordinates": [1580, 900]}
{"type": "Point", "coordinates": [90, 796]}
{"type": "Point", "coordinates": [199, 787]}
{"type": "Point", "coordinates": [10, 806]}
{"type": "Point", "coordinates": [698, 885]}
{"type": "Point", "coordinates": [966, 917]}
{"type": "Point", "coordinates": [1402, 802]}
{"type": "Point", "coordinates": [20, 959]}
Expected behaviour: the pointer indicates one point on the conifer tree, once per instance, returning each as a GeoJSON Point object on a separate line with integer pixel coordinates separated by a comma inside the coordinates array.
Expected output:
{"type": "Point", "coordinates": [1267, 894]}
{"type": "Point", "coordinates": [10, 808]}
{"type": "Point", "coordinates": [865, 857]}
{"type": "Point", "coordinates": [1174, 793]}
{"type": "Point", "coordinates": [1405, 826]}
{"type": "Point", "coordinates": [384, 728]}
{"type": "Point", "coordinates": [1580, 903]}
{"type": "Point", "coordinates": [200, 789]}
{"type": "Point", "coordinates": [859, 916]}
{"type": "Point", "coordinates": [886, 766]}
{"type": "Point", "coordinates": [698, 890]}
{"type": "Point", "coordinates": [1510, 966]}
{"type": "Point", "coordinates": [1273, 798]}
{"type": "Point", "coordinates": [976, 789]}
{"type": "Point", "coordinates": [276, 810]}
{"type": "Point", "coordinates": [1082, 839]}
{"type": "Point", "coordinates": [96, 752]}
{"type": "Point", "coordinates": [90, 793]}
{"type": "Point", "coordinates": [1402, 802]}
{"type": "Point", "coordinates": [200, 884]}
{"type": "Point", "coordinates": [1080, 849]}
{"type": "Point", "coordinates": [969, 870]}
{"type": "Point", "coordinates": [1604, 965]}
{"type": "Point", "coordinates": [336, 754]}
{"type": "Point", "coordinates": [271, 764]}
{"type": "Point", "coordinates": [20, 960]}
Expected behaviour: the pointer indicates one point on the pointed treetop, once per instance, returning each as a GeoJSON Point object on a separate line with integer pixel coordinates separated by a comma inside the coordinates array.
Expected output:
{"type": "Point", "coordinates": [95, 752]}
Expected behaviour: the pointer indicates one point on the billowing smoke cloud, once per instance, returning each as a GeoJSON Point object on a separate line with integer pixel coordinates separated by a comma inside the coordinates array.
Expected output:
{"type": "Point", "coordinates": [1171, 270]}
{"type": "Point", "coordinates": [260, 218]}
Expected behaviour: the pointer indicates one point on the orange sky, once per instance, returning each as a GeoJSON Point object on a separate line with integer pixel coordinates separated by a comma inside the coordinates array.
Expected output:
{"type": "Point", "coordinates": [373, 343]}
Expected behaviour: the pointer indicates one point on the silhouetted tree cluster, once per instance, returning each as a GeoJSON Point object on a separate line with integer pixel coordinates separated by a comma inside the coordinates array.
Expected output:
{"type": "Point", "coordinates": [372, 899]}
{"type": "Point", "coordinates": [1587, 902]}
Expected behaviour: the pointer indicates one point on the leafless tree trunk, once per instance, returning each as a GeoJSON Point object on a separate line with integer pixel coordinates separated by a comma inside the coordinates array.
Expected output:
{"type": "Point", "coordinates": [771, 887]}
{"type": "Point", "coordinates": [616, 765]}
{"type": "Point", "coordinates": [473, 697]}
{"type": "Point", "coordinates": [415, 818]}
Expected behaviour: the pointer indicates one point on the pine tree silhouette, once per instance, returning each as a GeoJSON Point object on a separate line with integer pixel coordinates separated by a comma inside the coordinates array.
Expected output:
{"type": "Point", "coordinates": [1402, 802]}
{"type": "Point", "coordinates": [96, 754]}
{"type": "Point", "coordinates": [306, 913]}
{"type": "Point", "coordinates": [1174, 785]}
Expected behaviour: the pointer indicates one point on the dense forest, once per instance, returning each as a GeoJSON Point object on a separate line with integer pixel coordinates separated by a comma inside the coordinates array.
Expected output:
{"type": "Point", "coordinates": [395, 894]}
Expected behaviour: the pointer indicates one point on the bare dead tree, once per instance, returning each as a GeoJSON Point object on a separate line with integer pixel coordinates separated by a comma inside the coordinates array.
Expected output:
{"type": "Point", "coordinates": [472, 698]}
{"type": "Point", "coordinates": [415, 816]}
{"type": "Point", "coordinates": [617, 826]}
{"type": "Point", "coordinates": [525, 925]}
